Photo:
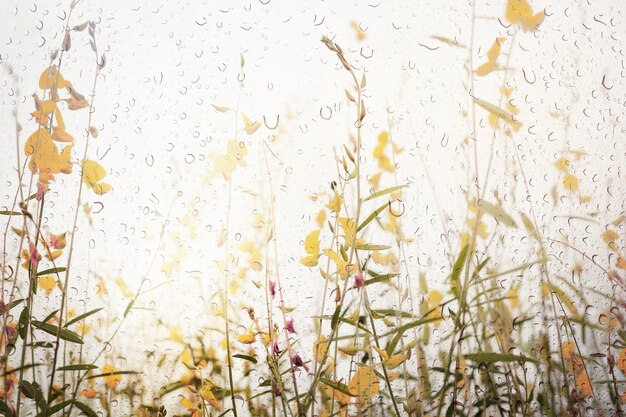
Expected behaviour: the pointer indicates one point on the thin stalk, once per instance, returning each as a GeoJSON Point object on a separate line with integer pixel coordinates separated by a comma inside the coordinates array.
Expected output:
{"type": "Point", "coordinates": [72, 240]}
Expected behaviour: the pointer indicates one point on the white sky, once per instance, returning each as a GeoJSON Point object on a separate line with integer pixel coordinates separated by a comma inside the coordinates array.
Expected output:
{"type": "Point", "coordinates": [169, 61]}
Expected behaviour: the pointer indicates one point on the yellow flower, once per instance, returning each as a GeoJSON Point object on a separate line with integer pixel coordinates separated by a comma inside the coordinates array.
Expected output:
{"type": "Point", "coordinates": [520, 11]}
{"type": "Point", "coordinates": [364, 385]}
{"type": "Point", "coordinates": [93, 173]}
{"type": "Point", "coordinates": [621, 361]}
{"type": "Point", "coordinates": [312, 247]}
{"type": "Point", "coordinates": [47, 283]}
{"type": "Point", "coordinates": [111, 381]}
{"type": "Point", "coordinates": [583, 383]}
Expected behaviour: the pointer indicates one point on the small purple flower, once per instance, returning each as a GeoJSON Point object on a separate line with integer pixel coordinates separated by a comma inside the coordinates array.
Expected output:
{"type": "Point", "coordinates": [359, 282]}
{"type": "Point", "coordinates": [40, 191]}
{"type": "Point", "coordinates": [275, 348]}
{"type": "Point", "coordinates": [297, 361]}
{"type": "Point", "coordinates": [34, 256]}
{"type": "Point", "coordinates": [277, 391]}
{"type": "Point", "coordinates": [272, 289]}
{"type": "Point", "coordinates": [289, 326]}
{"type": "Point", "coordinates": [10, 332]}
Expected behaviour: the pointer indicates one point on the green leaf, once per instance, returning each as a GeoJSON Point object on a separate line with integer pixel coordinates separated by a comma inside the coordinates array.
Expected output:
{"type": "Point", "coordinates": [78, 367]}
{"type": "Point", "coordinates": [385, 191]}
{"type": "Point", "coordinates": [260, 394]}
{"type": "Point", "coordinates": [497, 212]}
{"type": "Point", "coordinates": [530, 227]}
{"type": "Point", "coordinates": [55, 408]}
{"type": "Point", "coordinates": [369, 247]}
{"type": "Point", "coordinates": [245, 357]}
{"type": "Point", "coordinates": [22, 323]}
{"type": "Point", "coordinates": [14, 303]}
{"type": "Point", "coordinates": [64, 334]}
{"type": "Point", "coordinates": [337, 386]}
{"type": "Point", "coordinates": [49, 316]}
{"type": "Point", "coordinates": [354, 324]}
{"type": "Point", "coordinates": [51, 271]}
{"type": "Point", "coordinates": [82, 316]}
{"type": "Point", "coordinates": [499, 113]}
{"type": "Point", "coordinates": [128, 307]}
{"type": "Point", "coordinates": [380, 278]}
{"type": "Point", "coordinates": [487, 357]}
{"type": "Point", "coordinates": [171, 388]}
{"type": "Point", "coordinates": [5, 410]}
{"type": "Point", "coordinates": [372, 216]}
{"type": "Point", "coordinates": [33, 391]}
{"type": "Point", "coordinates": [26, 366]}
{"type": "Point", "coordinates": [113, 373]}
{"type": "Point", "coordinates": [85, 409]}
{"type": "Point", "coordinates": [455, 278]}
{"type": "Point", "coordinates": [10, 213]}
{"type": "Point", "coordinates": [517, 268]}
{"type": "Point", "coordinates": [335, 319]}
{"type": "Point", "coordinates": [391, 346]}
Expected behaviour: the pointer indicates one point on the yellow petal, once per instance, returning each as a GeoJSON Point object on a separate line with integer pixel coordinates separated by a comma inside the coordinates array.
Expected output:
{"type": "Point", "coordinates": [320, 348]}
{"type": "Point", "coordinates": [349, 350]}
{"type": "Point", "coordinates": [34, 141]}
{"type": "Point", "coordinates": [570, 182]}
{"type": "Point", "coordinates": [185, 402]}
{"type": "Point", "coordinates": [520, 11]}
{"type": "Point", "coordinates": [54, 254]}
{"type": "Point", "coordinates": [609, 237]}
{"type": "Point", "coordinates": [250, 126]}
{"type": "Point", "coordinates": [312, 243]}
{"type": "Point", "coordinates": [208, 396]}
{"type": "Point", "coordinates": [61, 135]}
{"type": "Point", "coordinates": [364, 385]}
{"type": "Point", "coordinates": [247, 338]}
{"type": "Point", "coordinates": [434, 298]}
{"type": "Point", "coordinates": [321, 218]}
{"type": "Point", "coordinates": [562, 164]}
{"type": "Point", "coordinates": [65, 166]}
{"type": "Point", "coordinates": [383, 354]}
{"type": "Point", "coordinates": [50, 77]}
{"type": "Point", "coordinates": [486, 68]}
{"type": "Point", "coordinates": [93, 171]}
{"type": "Point", "coordinates": [334, 204]}
{"type": "Point", "coordinates": [101, 188]}
{"type": "Point", "coordinates": [360, 35]}
{"type": "Point", "coordinates": [47, 283]}
{"type": "Point", "coordinates": [310, 260]}
{"type": "Point", "coordinates": [111, 381]}
{"type": "Point", "coordinates": [494, 52]}
{"type": "Point", "coordinates": [395, 360]}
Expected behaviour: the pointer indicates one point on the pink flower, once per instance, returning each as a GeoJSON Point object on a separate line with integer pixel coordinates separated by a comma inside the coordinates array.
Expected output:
{"type": "Point", "coordinates": [34, 256]}
{"type": "Point", "coordinates": [277, 391]}
{"type": "Point", "coordinates": [289, 326]}
{"type": "Point", "coordinates": [58, 241]}
{"type": "Point", "coordinates": [297, 361]}
{"type": "Point", "coordinates": [358, 280]}
{"type": "Point", "coordinates": [40, 190]}
{"type": "Point", "coordinates": [272, 289]}
{"type": "Point", "coordinates": [10, 332]}
{"type": "Point", "coordinates": [275, 348]}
